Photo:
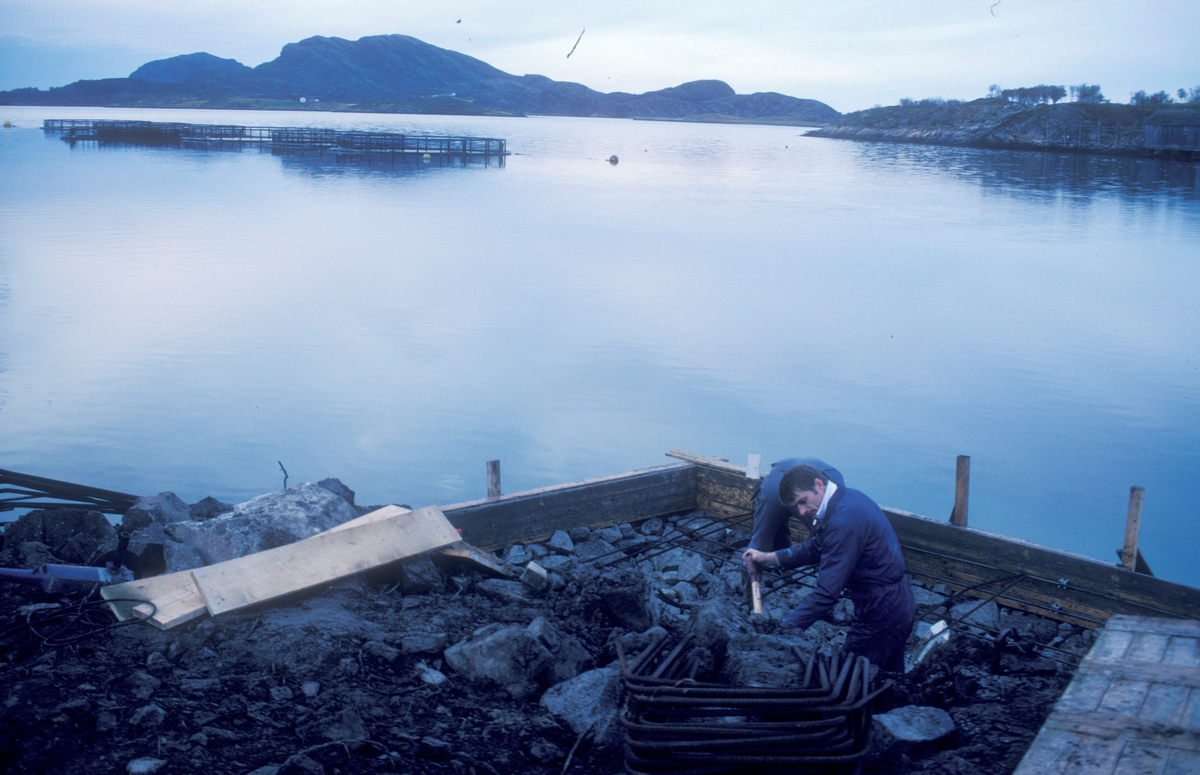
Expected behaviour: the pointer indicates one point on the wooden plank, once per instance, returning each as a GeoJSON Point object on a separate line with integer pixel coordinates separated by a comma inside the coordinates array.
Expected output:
{"type": "Point", "coordinates": [1094, 756]}
{"type": "Point", "coordinates": [962, 490]}
{"type": "Point", "coordinates": [1049, 752]}
{"type": "Point", "coordinates": [1183, 651]}
{"type": "Point", "coordinates": [1142, 759]}
{"type": "Point", "coordinates": [1183, 763]}
{"type": "Point", "coordinates": [1112, 644]}
{"type": "Point", "coordinates": [1165, 704]}
{"type": "Point", "coordinates": [1133, 524]}
{"type": "Point", "coordinates": [1128, 669]}
{"type": "Point", "coordinates": [1148, 647]}
{"type": "Point", "coordinates": [172, 588]}
{"type": "Point", "coordinates": [610, 500]}
{"type": "Point", "coordinates": [1125, 696]}
{"type": "Point", "coordinates": [465, 551]}
{"type": "Point", "coordinates": [1186, 627]}
{"type": "Point", "coordinates": [1085, 692]}
{"type": "Point", "coordinates": [319, 559]}
{"type": "Point", "coordinates": [721, 464]}
{"type": "Point", "coordinates": [175, 597]}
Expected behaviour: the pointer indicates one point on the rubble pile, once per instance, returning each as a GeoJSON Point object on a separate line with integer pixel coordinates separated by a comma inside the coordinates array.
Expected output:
{"type": "Point", "coordinates": [437, 665]}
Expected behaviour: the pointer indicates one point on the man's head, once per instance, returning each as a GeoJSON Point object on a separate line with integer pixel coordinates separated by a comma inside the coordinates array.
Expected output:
{"type": "Point", "coordinates": [802, 488]}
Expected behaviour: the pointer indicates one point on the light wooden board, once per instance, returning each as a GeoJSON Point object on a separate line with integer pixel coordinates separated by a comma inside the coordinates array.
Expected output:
{"type": "Point", "coordinates": [464, 550]}
{"type": "Point", "coordinates": [322, 558]}
{"type": "Point", "coordinates": [173, 598]}
{"type": "Point", "coordinates": [174, 595]}
{"type": "Point", "coordinates": [1133, 707]}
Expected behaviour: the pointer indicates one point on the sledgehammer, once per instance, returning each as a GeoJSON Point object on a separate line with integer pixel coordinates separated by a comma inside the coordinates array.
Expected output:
{"type": "Point", "coordinates": [755, 584]}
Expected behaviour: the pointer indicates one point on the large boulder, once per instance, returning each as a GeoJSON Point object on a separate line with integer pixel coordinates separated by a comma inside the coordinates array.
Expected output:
{"type": "Point", "coordinates": [261, 523]}
{"type": "Point", "coordinates": [72, 536]}
{"type": "Point", "coordinates": [909, 728]}
{"type": "Point", "coordinates": [590, 701]}
{"type": "Point", "coordinates": [166, 507]}
{"type": "Point", "coordinates": [509, 655]}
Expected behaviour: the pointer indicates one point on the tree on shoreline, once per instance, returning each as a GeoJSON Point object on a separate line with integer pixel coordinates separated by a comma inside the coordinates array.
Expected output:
{"type": "Point", "coordinates": [1087, 93]}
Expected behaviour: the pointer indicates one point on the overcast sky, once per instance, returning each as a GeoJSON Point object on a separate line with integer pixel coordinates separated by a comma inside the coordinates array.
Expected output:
{"type": "Point", "coordinates": [850, 54]}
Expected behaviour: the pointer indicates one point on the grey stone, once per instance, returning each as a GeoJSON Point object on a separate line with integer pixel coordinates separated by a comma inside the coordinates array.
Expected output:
{"type": "Point", "coordinates": [679, 564]}
{"type": "Point", "coordinates": [348, 726]}
{"type": "Point", "coordinates": [281, 693]}
{"type": "Point", "coordinates": [591, 700]}
{"type": "Point", "coordinates": [261, 523]}
{"type": "Point", "coordinates": [987, 615]}
{"type": "Point", "coordinates": [301, 764]}
{"type": "Point", "coordinates": [145, 766]}
{"type": "Point", "coordinates": [762, 660]}
{"type": "Point", "coordinates": [569, 653]}
{"type": "Point", "coordinates": [505, 654]}
{"type": "Point", "coordinates": [561, 542]}
{"type": "Point", "coordinates": [652, 527]}
{"type": "Point", "coordinates": [580, 533]}
{"type": "Point", "coordinates": [142, 685]}
{"type": "Point", "coordinates": [71, 535]}
{"type": "Point", "coordinates": [1038, 628]}
{"type": "Point", "coordinates": [199, 686]}
{"type": "Point", "coordinates": [381, 650]}
{"type": "Point", "coordinates": [554, 562]}
{"type": "Point", "coordinates": [519, 555]}
{"type": "Point", "coordinates": [610, 534]}
{"type": "Point", "coordinates": [504, 590]}
{"type": "Point", "coordinates": [908, 728]}
{"type": "Point", "coordinates": [593, 548]}
{"type": "Point", "coordinates": [166, 507]}
{"type": "Point", "coordinates": [208, 508]}
{"type": "Point", "coordinates": [336, 487]}
{"type": "Point", "coordinates": [148, 716]}
{"type": "Point", "coordinates": [430, 643]}
{"type": "Point", "coordinates": [421, 576]}
{"type": "Point", "coordinates": [714, 623]}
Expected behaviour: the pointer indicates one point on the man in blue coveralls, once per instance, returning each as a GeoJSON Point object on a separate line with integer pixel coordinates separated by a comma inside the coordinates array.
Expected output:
{"type": "Point", "coordinates": [853, 545]}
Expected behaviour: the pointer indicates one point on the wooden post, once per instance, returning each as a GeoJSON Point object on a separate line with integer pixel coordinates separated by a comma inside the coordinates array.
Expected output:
{"type": "Point", "coordinates": [1133, 523]}
{"type": "Point", "coordinates": [962, 485]}
{"type": "Point", "coordinates": [493, 478]}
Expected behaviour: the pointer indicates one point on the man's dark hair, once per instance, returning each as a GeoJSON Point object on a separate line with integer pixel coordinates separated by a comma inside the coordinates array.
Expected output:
{"type": "Point", "coordinates": [799, 478]}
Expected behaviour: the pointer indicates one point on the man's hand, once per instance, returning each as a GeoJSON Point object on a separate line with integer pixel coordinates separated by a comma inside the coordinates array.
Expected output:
{"type": "Point", "coordinates": [761, 559]}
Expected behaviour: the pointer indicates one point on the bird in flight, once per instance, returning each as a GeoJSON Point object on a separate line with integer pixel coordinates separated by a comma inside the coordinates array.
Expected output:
{"type": "Point", "coordinates": [572, 51]}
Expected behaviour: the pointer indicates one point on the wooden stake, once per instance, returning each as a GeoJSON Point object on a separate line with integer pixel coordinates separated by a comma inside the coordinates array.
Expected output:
{"type": "Point", "coordinates": [1133, 524]}
{"type": "Point", "coordinates": [493, 478]}
{"type": "Point", "coordinates": [962, 486]}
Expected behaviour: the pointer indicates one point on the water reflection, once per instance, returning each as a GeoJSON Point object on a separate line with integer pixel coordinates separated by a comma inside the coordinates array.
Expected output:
{"type": "Point", "coordinates": [1041, 174]}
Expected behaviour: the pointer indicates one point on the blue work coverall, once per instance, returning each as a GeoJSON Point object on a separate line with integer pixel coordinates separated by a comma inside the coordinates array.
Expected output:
{"type": "Point", "coordinates": [855, 548]}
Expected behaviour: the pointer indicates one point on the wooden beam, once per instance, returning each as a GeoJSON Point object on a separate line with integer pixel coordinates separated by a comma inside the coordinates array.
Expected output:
{"type": "Point", "coordinates": [325, 557]}
{"type": "Point", "coordinates": [493, 478]}
{"type": "Point", "coordinates": [1133, 525]}
{"type": "Point", "coordinates": [536, 514]}
{"type": "Point", "coordinates": [962, 487]}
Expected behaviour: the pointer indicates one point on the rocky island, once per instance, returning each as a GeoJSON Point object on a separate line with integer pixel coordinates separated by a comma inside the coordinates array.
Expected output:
{"type": "Point", "coordinates": [1000, 123]}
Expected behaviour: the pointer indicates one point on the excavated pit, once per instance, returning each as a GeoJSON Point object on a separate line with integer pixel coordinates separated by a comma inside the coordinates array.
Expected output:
{"type": "Point", "coordinates": [436, 666]}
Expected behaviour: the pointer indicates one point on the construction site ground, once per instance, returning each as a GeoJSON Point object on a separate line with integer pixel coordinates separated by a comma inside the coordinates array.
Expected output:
{"type": "Point", "coordinates": [322, 682]}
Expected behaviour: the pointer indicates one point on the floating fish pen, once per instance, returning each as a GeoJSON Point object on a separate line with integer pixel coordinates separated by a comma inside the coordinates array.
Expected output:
{"type": "Point", "coordinates": [298, 138]}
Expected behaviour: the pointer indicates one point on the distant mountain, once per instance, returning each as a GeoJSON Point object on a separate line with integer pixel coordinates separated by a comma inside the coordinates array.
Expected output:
{"type": "Point", "coordinates": [398, 73]}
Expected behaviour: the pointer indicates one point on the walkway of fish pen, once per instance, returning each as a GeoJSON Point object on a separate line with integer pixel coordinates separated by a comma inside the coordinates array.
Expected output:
{"type": "Point", "coordinates": [299, 138]}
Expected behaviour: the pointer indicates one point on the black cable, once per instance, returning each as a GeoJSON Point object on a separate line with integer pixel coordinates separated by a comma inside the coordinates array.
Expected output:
{"type": "Point", "coordinates": [81, 614]}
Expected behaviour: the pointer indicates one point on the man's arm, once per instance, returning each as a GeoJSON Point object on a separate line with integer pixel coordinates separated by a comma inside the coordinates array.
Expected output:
{"type": "Point", "coordinates": [839, 556]}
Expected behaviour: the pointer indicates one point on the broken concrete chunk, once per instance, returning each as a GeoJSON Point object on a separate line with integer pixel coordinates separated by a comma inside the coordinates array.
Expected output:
{"type": "Point", "coordinates": [208, 508]}
{"type": "Point", "coordinates": [908, 728]}
{"type": "Point", "coordinates": [507, 655]}
{"type": "Point", "coordinates": [166, 507]}
{"type": "Point", "coordinates": [505, 591]}
{"type": "Point", "coordinates": [561, 542]}
{"type": "Point", "coordinates": [432, 643]}
{"type": "Point", "coordinates": [518, 554]}
{"type": "Point", "coordinates": [590, 701]}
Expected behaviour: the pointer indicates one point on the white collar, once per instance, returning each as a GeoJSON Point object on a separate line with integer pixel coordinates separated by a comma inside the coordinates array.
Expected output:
{"type": "Point", "coordinates": [830, 489]}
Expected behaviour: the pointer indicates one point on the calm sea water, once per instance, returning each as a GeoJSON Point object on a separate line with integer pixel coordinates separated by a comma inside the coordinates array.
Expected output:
{"type": "Point", "coordinates": [186, 320]}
